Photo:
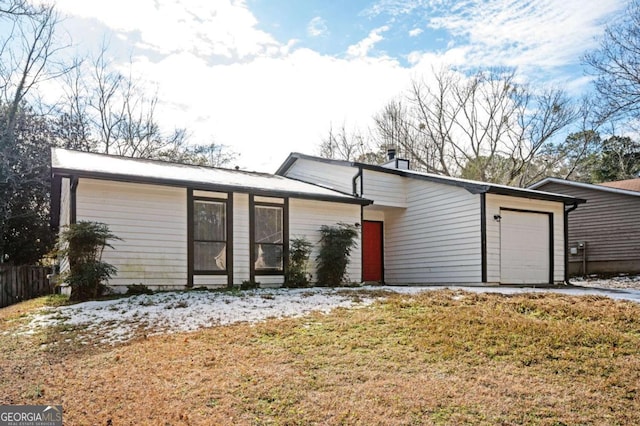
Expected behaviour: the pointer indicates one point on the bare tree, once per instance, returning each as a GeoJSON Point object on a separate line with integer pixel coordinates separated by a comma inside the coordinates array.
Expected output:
{"type": "Point", "coordinates": [72, 125]}
{"type": "Point", "coordinates": [27, 51]}
{"type": "Point", "coordinates": [486, 125]}
{"type": "Point", "coordinates": [394, 127]}
{"type": "Point", "coordinates": [354, 146]}
{"type": "Point", "coordinates": [211, 155]}
{"type": "Point", "coordinates": [616, 64]}
{"type": "Point", "coordinates": [106, 100]}
{"type": "Point", "coordinates": [25, 55]}
{"type": "Point", "coordinates": [103, 110]}
{"type": "Point", "coordinates": [107, 111]}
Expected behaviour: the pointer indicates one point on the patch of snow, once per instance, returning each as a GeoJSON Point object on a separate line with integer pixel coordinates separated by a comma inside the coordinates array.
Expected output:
{"type": "Point", "coordinates": [120, 320]}
{"type": "Point", "coordinates": [622, 281]}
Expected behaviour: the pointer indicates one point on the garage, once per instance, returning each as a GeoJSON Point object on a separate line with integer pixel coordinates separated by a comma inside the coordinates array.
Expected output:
{"type": "Point", "coordinates": [526, 242]}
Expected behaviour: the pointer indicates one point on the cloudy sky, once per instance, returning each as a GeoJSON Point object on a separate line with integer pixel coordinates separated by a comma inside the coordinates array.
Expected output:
{"type": "Point", "coordinates": [268, 77]}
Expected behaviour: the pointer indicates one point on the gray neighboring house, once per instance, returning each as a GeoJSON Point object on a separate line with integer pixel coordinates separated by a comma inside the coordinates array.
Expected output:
{"type": "Point", "coordinates": [604, 234]}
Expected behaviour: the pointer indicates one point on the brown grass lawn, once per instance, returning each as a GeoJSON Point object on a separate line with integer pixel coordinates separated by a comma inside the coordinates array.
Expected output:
{"type": "Point", "coordinates": [438, 358]}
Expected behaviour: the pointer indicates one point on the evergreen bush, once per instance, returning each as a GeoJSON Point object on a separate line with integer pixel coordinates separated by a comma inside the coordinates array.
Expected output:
{"type": "Point", "coordinates": [83, 243]}
{"type": "Point", "coordinates": [336, 243]}
{"type": "Point", "coordinates": [296, 275]}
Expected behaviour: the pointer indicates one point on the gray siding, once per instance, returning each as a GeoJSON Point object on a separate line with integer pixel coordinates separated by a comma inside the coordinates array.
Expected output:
{"type": "Point", "coordinates": [610, 225]}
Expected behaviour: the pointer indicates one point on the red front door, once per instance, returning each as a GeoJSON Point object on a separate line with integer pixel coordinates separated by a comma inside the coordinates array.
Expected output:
{"type": "Point", "coordinates": [372, 251]}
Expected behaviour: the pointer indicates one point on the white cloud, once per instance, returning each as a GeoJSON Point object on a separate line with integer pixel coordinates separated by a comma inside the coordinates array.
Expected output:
{"type": "Point", "coordinates": [269, 107]}
{"type": "Point", "coordinates": [424, 62]}
{"type": "Point", "coordinates": [264, 105]}
{"type": "Point", "coordinates": [397, 7]}
{"type": "Point", "coordinates": [270, 98]}
{"type": "Point", "coordinates": [544, 33]}
{"type": "Point", "coordinates": [415, 32]}
{"type": "Point", "coordinates": [317, 27]}
{"type": "Point", "coordinates": [362, 48]}
{"type": "Point", "coordinates": [223, 28]}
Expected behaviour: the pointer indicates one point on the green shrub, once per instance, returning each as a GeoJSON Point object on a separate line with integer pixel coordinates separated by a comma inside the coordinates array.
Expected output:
{"type": "Point", "coordinates": [83, 243]}
{"type": "Point", "coordinates": [135, 289]}
{"type": "Point", "coordinates": [336, 243]}
{"type": "Point", "coordinates": [249, 285]}
{"type": "Point", "coordinates": [296, 275]}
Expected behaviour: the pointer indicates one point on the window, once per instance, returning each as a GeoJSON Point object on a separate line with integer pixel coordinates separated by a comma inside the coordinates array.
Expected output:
{"type": "Point", "coordinates": [269, 241]}
{"type": "Point", "coordinates": [209, 236]}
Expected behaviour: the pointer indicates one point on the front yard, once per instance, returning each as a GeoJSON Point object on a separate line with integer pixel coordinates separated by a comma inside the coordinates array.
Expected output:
{"type": "Point", "coordinates": [437, 357]}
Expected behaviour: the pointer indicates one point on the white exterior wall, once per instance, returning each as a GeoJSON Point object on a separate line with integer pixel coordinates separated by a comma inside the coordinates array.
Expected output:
{"type": "Point", "coordinates": [151, 220]}
{"type": "Point", "coordinates": [65, 215]}
{"type": "Point", "coordinates": [209, 281]}
{"type": "Point", "coordinates": [305, 219]}
{"type": "Point", "coordinates": [331, 176]}
{"type": "Point", "coordinates": [493, 204]}
{"type": "Point", "coordinates": [269, 280]}
{"type": "Point", "coordinates": [436, 239]}
{"type": "Point", "coordinates": [241, 268]}
{"type": "Point", "coordinates": [372, 214]}
{"type": "Point", "coordinates": [385, 189]}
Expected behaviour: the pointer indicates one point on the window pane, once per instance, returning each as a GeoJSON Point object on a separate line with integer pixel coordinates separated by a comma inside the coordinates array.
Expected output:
{"type": "Point", "coordinates": [268, 225]}
{"type": "Point", "coordinates": [209, 256]}
{"type": "Point", "coordinates": [268, 256]}
{"type": "Point", "coordinates": [209, 221]}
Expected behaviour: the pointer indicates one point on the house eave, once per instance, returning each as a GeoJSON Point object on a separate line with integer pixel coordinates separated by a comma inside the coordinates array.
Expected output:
{"type": "Point", "coordinates": [204, 186]}
{"type": "Point", "coordinates": [583, 185]}
{"type": "Point", "coordinates": [471, 186]}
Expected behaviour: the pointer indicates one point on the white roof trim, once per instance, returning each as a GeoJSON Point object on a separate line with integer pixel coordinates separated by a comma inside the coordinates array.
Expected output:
{"type": "Point", "coordinates": [584, 186]}
{"type": "Point", "coordinates": [65, 161]}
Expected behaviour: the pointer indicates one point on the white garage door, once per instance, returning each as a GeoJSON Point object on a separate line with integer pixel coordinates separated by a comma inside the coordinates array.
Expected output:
{"type": "Point", "coordinates": [524, 247]}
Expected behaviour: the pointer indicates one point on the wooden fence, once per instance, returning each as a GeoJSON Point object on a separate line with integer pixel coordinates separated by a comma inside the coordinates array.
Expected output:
{"type": "Point", "coordinates": [18, 283]}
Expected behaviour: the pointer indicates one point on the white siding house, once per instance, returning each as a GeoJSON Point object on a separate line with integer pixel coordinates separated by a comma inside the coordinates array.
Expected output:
{"type": "Point", "coordinates": [185, 226]}
{"type": "Point", "coordinates": [425, 229]}
{"type": "Point", "coordinates": [151, 221]}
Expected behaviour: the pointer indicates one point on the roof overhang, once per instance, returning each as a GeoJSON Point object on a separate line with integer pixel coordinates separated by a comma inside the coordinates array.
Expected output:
{"type": "Point", "coordinates": [316, 192]}
{"type": "Point", "coordinates": [219, 187]}
{"type": "Point", "coordinates": [474, 187]}
{"type": "Point", "coordinates": [584, 186]}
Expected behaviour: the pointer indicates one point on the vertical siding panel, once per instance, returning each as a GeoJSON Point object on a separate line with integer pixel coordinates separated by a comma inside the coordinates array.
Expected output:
{"type": "Point", "coordinates": [240, 238]}
{"type": "Point", "coordinates": [65, 215]}
{"type": "Point", "coordinates": [151, 220]}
